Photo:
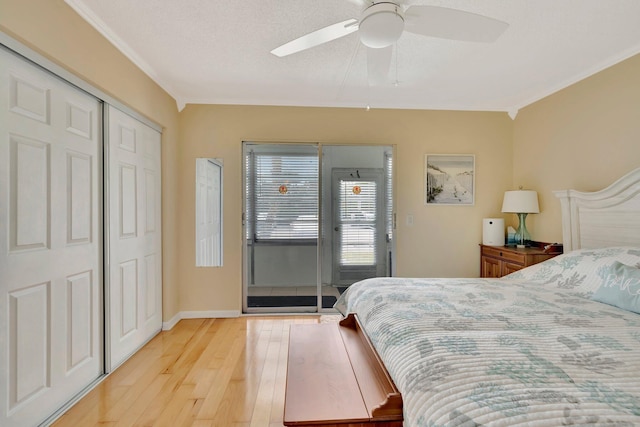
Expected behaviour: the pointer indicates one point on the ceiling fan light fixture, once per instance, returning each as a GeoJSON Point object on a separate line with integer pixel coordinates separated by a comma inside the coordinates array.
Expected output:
{"type": "Point", "coordinates": [381, 25]}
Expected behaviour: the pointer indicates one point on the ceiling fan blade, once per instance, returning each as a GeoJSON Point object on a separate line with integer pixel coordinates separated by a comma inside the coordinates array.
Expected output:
{"type": "Point", "coordinates": [378, 64]}
{"type": "Point", "coordinates": [317, 37]}
{"type": "Point", "coordinates": [442, 22]}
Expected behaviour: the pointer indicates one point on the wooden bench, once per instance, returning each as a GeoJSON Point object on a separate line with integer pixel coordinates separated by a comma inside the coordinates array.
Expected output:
{"type": "Point", "coordinates": [336, 378]}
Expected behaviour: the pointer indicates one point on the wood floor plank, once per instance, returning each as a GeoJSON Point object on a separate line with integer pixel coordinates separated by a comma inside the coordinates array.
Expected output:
{"type": "Point", "coordinates": [262, 408]}
{"type": "Point", "coordinates": [200, 365]}
{"type": "Point", "coordinates": [178, 410]}
{"type": "Point", "coordinates": [88, 410]}
{"type": "Point", "coordinates": [277, 401]}
{"type": "Point", "coordinates": [232, 348]}
{"type": "Point", "coordinates": [135, 408]}
{"type": "Point", "coordinates": [202, 373]}
{"type": "Point", "coordinates": [235, 406]}
{"type": "Point", "coordinates": [152, 381]}
{"type": "Point", "coordinates": [153, 411]}
{"type": "Point", "coordinates": [242, 389]}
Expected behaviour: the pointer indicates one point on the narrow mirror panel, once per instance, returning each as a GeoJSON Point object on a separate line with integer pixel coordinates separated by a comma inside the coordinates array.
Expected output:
{"type": "Point", "coordinates": [208, 212]}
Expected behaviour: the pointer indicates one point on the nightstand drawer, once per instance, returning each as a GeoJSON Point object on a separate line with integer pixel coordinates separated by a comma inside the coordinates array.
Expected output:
{"type": "Point", "coordinates": [498, 261]}
{"type": "Point", "coordinates": [504, 255]}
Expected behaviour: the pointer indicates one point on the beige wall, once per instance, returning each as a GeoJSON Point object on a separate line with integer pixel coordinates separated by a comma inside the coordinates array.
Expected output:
{"type": "Point", "coordinates": [583, 137]}
{"type": "Point", "coordinates": [54, 30]}
{"type": "Point", "coordinates": [443, 240]}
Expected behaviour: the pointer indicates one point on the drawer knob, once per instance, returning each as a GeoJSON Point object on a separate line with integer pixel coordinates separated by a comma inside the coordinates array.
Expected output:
{"type": "Point", "coordinates": [500, 253]}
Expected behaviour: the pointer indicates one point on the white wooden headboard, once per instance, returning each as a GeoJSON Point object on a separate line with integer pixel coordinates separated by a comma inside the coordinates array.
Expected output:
{"type": "Point", "coordinates": [609, 217]}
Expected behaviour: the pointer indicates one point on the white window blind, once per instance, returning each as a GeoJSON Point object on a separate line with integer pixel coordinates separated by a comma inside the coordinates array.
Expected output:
{"type": "Point", "coordinates": [249, 184]}
{"type": "Point", "coordinates": [283, 196]}
{"type": "Point", "coordinates": [388, 166]}
{"type": "Point", "coordinates": [357, 210]}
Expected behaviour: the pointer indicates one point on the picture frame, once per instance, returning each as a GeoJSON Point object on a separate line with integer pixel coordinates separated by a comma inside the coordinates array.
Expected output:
{"type": "Point", "coordinates": [449, 179]}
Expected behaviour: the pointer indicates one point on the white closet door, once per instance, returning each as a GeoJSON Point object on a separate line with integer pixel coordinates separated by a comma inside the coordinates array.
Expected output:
{"type": "Point", "coordinates": [50, 242]}
{"type": "Point", "coordinates": [135, 246]}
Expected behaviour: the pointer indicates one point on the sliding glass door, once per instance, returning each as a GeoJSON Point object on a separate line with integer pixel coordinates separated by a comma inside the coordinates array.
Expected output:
{"type": "Point", "coordinates": [281, 227]}
{"type": "Point", "coordinates": [311, 225]}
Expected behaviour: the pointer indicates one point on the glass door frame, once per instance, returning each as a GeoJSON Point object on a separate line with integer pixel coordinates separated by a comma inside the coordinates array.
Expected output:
{"type": "Point", "coordinates": [318, 309]}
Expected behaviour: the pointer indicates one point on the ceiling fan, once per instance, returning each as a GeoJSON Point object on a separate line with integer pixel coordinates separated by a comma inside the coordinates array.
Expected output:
{"type": "Point", "coordinates": [382, 23]}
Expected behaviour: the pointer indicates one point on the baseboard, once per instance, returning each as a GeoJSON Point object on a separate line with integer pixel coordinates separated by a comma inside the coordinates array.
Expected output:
{"type": "Point", "coordinates": [209, 314]}
{"type": "Point", "coordinates": [168, 325]}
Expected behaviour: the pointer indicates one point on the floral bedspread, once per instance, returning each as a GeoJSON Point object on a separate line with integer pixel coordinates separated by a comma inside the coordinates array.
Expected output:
{"type": "Point", "coordinates": [528, 349]}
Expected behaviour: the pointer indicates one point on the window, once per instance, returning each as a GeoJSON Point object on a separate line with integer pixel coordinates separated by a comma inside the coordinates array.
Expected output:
{"type": "Point", "coordinates": [282, 196]}
{"type": "Point", "coordinates": [357, 219]}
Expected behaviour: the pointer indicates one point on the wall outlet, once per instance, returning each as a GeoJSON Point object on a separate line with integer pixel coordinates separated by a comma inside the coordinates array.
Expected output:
{"type": "Point", "coordinates": [409, 220]}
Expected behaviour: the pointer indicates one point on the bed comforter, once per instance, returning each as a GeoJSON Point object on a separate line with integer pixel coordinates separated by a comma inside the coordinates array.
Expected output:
{"type": "Point", "coordinates": [528, 349]}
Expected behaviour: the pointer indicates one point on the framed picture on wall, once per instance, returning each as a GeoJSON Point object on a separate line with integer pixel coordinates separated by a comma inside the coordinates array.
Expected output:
{"type": "Point", "coordinates": [449, 179]}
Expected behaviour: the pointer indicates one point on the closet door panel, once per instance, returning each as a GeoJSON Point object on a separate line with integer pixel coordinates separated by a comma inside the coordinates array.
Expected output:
{"type": "Point", "coordinates": [79, 188]}
{"type": "Point", "coordinates": [50, 246]}
{"type": "Point", "coordinates": [135, 251]}
{"type": "Point", "coordinates": [29, 198]}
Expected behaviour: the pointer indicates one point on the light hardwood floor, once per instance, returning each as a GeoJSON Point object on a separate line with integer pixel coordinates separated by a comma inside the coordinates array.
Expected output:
{"type": "Point", "coordinates": [203, 372]}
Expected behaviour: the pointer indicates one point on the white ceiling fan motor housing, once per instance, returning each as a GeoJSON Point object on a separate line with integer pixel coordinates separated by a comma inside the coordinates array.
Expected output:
{"type": "Point", "coordinates": [381, 25]}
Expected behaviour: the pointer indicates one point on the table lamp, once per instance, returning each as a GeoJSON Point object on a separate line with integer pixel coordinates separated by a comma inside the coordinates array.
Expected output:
{"type": "Point", "coordinates": [522, 203]}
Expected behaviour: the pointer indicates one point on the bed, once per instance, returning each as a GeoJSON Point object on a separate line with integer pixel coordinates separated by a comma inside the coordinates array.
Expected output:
{"type": "Point", "coordinates": [557, 343]}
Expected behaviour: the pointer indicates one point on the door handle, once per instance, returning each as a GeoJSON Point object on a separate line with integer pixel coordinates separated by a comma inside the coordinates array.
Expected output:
{"type": "Point", "coordinates": [337, 229]}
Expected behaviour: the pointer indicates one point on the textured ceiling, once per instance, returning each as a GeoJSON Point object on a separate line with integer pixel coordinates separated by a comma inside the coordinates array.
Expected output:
{"type": "Point", "coordinates": [218, 52]}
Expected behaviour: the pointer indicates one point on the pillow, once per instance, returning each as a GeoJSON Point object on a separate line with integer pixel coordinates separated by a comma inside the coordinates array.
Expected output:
{"type": "Point", "coordinates": [582, 270]}
{"type": "Point", "coordinates": [621, 288]}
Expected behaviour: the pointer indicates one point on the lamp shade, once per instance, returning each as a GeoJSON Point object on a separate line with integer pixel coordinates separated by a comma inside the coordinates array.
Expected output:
{"type": "Point", "coordinates": [520, 201]}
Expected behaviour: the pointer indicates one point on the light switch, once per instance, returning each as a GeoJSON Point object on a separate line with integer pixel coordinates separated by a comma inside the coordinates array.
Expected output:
{"type": "Point", "coordinates": [409, 220]}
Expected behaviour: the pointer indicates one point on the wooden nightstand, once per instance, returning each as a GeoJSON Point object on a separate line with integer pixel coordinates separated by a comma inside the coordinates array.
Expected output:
{"type": "Point", "coordinates": [498, 261]}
